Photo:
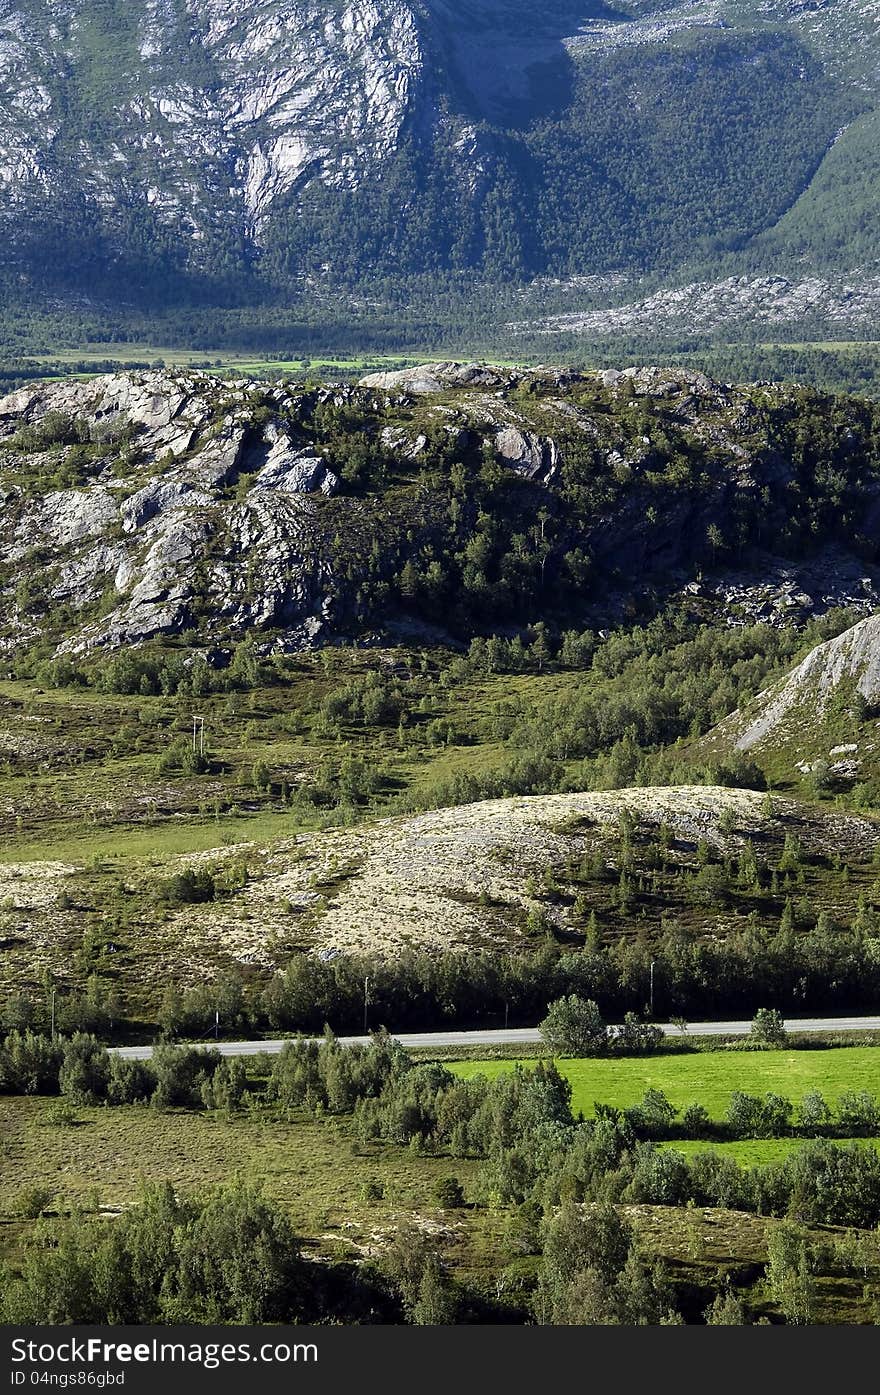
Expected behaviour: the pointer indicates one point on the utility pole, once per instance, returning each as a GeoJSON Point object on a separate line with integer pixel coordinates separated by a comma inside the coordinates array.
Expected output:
{"type": "Point", "coordinates": [53, 1014]}
{"type": "Point", "coordinates": [366, 1000]}
{"type": "Point", "coordinates": [651, 991]}
{"type": "Point", "coordinates": [198, 735]}
{"type": "Point", "coordinates": [216, 1024]}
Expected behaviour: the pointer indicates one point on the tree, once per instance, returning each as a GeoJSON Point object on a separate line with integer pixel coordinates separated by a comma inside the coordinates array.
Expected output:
{"type": "Point", "coordinates": [788, 1274]}
{"type": "Point", "coordinates": [726, 1310]}
{"type": "Point", "coordinates": [435, 1305]}
{"type": "Point", "coordinates": [814, 1114]}
{"type": "Point", "coordinates": [574, 1027]}
{"type": "Point", "coordinates": [768, 1028]}
{"type": "Point", "coordinates": [85, 1070]}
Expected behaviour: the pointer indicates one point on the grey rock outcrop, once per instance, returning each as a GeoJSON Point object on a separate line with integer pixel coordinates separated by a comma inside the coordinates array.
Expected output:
{"type": "Point", "coordinates": [535, 457]}
{"type": "Point", "coordinates": [196, 470]}
{"type": "Point", "coordinates": [804, 696]}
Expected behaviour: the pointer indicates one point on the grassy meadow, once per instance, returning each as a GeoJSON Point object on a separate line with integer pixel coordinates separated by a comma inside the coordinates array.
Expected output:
{"type": "Point", "coordinates": [708, 1077]}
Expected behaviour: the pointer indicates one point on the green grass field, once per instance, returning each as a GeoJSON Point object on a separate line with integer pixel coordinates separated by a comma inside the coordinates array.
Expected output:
{"type": "Point", "coordinates": [708, 1077]}
{"type": "Point", "coordinates": [133, 351]}
{"type": "Point", "coordinates": [750, 1152]}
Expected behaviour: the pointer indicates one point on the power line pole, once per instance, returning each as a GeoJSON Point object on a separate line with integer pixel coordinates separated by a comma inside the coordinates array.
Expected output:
{"type": "Point", "coordinates": [198, 736]}
{"type": "Point", "coordinates": [366, 1000]}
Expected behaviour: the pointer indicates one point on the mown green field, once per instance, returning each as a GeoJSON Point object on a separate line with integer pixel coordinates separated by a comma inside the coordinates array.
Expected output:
{"type": "Point", "coordinates": [709, 1077]}
{"type": "Point", "coordinates": [750, 1152]}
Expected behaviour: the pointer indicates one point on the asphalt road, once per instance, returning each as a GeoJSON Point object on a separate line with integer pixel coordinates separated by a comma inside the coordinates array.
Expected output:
{"type": "Point", "coordinates": [530, 1036]}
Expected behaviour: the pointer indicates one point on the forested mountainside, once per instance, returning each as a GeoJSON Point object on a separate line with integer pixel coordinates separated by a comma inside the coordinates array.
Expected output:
{"type": "Point", "coordinates": [161, 149]}
{"type": "Point", "coordinates": [452, 499]}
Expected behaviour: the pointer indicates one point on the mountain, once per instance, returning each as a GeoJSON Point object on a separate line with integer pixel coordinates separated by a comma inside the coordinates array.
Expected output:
{"type": "Point", "coordinates": [447, 500]}
{"type": "Point", "coordinates": [168, 149]}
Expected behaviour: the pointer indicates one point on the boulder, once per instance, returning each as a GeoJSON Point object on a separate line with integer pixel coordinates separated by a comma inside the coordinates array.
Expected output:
{"type": "Point", "coordinates": [535, 457]}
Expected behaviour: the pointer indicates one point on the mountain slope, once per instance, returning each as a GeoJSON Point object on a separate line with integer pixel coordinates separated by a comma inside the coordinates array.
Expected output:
{"type": "Point", "coordinates": [850, 662]}
{"type": "Point", "coordinates": [162, 148]}
{"type": "Point", "coordinates": [463, 496]}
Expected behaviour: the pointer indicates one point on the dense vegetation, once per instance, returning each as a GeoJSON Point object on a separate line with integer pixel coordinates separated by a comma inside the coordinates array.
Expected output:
{"type": "Point", "coordinates": [554, 1194]}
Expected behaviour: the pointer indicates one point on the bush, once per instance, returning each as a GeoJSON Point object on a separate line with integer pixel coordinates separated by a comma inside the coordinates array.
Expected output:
{"type": "Point", "coordinates": [85, 1070]}
{"type": "Point", "coordinates": [29, 1064]}
{"type": "Point", "coordinates": [188, 888]}
{"type": "Point", "coordinates": [180, 1072]}
{"type": "Point", "coordinates": [637, 1037]}
{"type": "Point", "coordinates": [857, 1114]}
{"type": "Point", "coordinates": [131, 1082]}
{"type": "Point", "coordinates": [654, 1116]}
{"type": "Point", "coordinates": [225, 1089]}
{"type": "Point", "coordinates": [60, 1115]}
{"type": "Point", "coordinates": [574, 1027]}
{"type": "Point", "coordinates": [754, 1116]}
{"type": "Point", "coordinates": [768, 1028]}
{"type": "Point", "coordinates": [31, 1202]}
{"type": "Point", "coordinates": [814, 1114]}
{"type": "Point", "coordinates": [449, 1193]}
{"type": "Point", "coordinates": [695, 1121]}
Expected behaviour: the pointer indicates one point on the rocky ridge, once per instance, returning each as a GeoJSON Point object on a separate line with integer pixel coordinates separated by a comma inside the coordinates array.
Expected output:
{"type": "Point", "coordinates": [139, 505]}
{"type": "Point", "coordinates": [804, 697]}
{"type": "Point", "coordinates": [702, 306]}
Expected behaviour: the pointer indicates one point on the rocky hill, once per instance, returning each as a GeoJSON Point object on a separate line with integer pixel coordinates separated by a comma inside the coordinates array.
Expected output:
{"type": "Point", "coordinates": [819, 720]}
{"type": "Point", "coordinates": [457, 498]}
{"type": "Point", "coordinates": [154, 151]}
{"type": "Point", "coordinates": [851, 661]}
{"type": "Point", "coordinates": [502, 876]}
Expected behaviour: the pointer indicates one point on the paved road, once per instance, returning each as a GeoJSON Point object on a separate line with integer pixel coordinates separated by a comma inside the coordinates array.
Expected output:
{"type": "Point", "coordinates": [530, 1036]}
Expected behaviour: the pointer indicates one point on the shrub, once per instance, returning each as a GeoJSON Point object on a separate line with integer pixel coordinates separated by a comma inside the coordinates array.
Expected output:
{"type": "Point", "coordinates": [695, 1121]}
{"type": "Point", "coordinates": [226, 1087]}
{"type": "Point", "coordinates": [637, 1037]}
{"type": "Point", "coordinates": [814, 1114]}
{"type": "Point", "coordinates": [188, 888]}
{"type": "Point", "coordinates": [29, 1064]}
{"type": "Point", "coordinates": [754, 1116]}
{"type": "Point", "coordinates": [449, 1193]}
{"type": "Point", "coordinates": [654, 1116]}
{"type": "Point", "coordinates": [857, 1114]}
{"type": "Point", "coordinates": [768, 1028]}
{"type": "Point", "coordinates": [574, 1027]}
{"type": "Point", "coordinates": [131, 1082]}
{"type": "Point", "coordinates": [180, 1072]}
{"type": "Point", "coordinates": [85, 1070]}
{"type": "Point", "coordinates": [31, 1202]}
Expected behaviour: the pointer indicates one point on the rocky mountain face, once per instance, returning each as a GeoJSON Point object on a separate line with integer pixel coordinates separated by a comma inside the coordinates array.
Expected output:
{"type": "Point", "coordinates": [160, 144]}
{"type": "Point", "coordinates": [200, 112]}
{"type": "Point", "coordinates": [453, 499]}
{"type": "Point", "coordinates": [841, 675]}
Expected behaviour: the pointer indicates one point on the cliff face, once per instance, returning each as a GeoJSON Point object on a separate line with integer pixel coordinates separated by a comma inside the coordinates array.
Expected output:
{"type": "Point", "coordinates": [204, 110]}
{"type": "Point", "coordinates": [255, 142]}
